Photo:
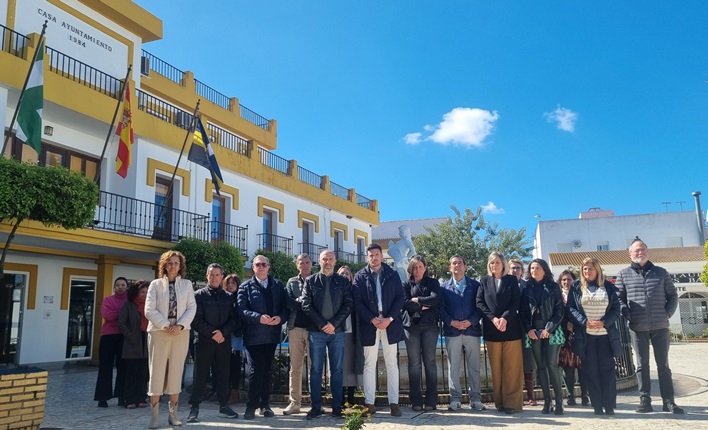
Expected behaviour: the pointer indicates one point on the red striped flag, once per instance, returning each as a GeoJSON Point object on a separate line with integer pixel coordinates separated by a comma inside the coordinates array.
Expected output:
{"type": "Point", "coordinates": [125, 131]}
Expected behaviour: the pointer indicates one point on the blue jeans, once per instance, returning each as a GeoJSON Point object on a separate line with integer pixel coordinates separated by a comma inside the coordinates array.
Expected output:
{"type": "Point", "coordinates": [422, 341]}
{"type": "Point", "coordinates": [333, 345]}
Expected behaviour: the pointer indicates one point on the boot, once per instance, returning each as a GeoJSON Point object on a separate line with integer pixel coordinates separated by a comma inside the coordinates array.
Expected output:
{"type": "Point", "coordinates": [172, 418]}
{"type": "Point", "coordinates": [154, 415]}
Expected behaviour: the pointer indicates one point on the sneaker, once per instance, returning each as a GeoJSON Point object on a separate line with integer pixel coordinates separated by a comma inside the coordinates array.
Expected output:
{"type": "Point", "coordinates": [370, 409]}
{"type": "Point", "coordinates": [454, 406]}
{"type": "Point", "coordinates": [337, 412]}
{"type": "Point", "coordinates": [291, 409]}
{"type": "Point", "coordinates": [193, 415]}
{"type": "Point", "coordinates": [670, 406]}
{"type": "Point", "coordinates": [417, 408]}
{"type": "Point", "coordinates": [226, 412]}
{"type": "Point", "coordinates": [102, 404]}
{"type": "Point", "coordinates": [477, 406]}
{"type": "Point", "coordinates": [533, 402]}
{"type": "Point", "coordinates": [315, 412]}
{"type": "Point", "coordinates": [249, 414]}
{"type": "Point", "coordinates": [395, 410]}
{"type": "Point", "coordinates": [644, 406]}
{"type": "Point", "coordinates": [428, 408]}
{"type": "Point", "coordinates": [267, 412]}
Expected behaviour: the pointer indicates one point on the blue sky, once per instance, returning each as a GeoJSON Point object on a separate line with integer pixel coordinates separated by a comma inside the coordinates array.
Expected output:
{"type": "Point", "coordinates": [522, 107]}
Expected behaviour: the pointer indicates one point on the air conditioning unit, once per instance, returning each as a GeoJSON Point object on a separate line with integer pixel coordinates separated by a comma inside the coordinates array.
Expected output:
{"type": "Point", "coordinates": [145, 66]}
{"type": "Point", "coordinates": [577, 244]}
{"type": "Point", "coordinates": [183, 119]}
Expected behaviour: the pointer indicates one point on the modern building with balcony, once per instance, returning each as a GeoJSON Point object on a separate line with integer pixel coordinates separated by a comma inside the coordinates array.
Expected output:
{"type": "Point", "coordinates": [55, 280]}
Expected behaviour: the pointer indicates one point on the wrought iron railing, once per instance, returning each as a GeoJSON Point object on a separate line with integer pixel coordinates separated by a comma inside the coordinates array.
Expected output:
{"type": "Point", "coordinates": [234, 235]}
{"type": "Point", "coordinates": [309, 177]}
{"type": "Point", "coordinates": [12, 42]}
{"type": "Point", "coordinates": [141, 218]}
{"type": "Point", "coordinates": [163, 110]}
{"type": "Point", "coordinates": [274, 243]}
{"type": "Point", "coordinates": [273, 161]}
{"type": "Point", "coordinates": [338, 190]}
{"type": "Point", "coordinates": [78, 71]}
{"type": "Point", "coordinates": [312, 249]}
{"type": "Point", "coordinates": [227, 139]}
{"type": "Point", "coordinates": [349, 257]}
{"type": "Point", "coordinates": [254, 118]}
{"type": "Point", "coordinates": [164, 68]}
{"type": "Point", "coordinates": [212, 95]}
{"type": "Point", "coordinates": [362, 201]}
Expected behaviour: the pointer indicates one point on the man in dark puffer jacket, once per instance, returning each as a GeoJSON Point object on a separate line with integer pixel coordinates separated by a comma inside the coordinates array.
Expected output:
{"type": "Point", "coordinates": [649, 299]}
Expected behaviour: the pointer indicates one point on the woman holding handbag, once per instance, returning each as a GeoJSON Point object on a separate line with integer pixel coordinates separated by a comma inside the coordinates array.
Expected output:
{"type": "Point", "coordinates": [568, 361]}
{"type": "Point", "coordinates": [593, 307]}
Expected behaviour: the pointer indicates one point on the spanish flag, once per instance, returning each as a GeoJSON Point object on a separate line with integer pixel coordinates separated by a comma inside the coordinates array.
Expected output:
{"type": "Point", "coordinates": [202, 153]}
{"type": "Point", "coordinates": [125, 131]}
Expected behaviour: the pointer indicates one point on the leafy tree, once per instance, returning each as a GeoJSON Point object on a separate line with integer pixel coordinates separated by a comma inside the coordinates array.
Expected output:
{"type": "Point", "coordinates": [282, 266]}
{"type": "Point", "coordinates": [468, 234]}
{"type": "Point", "coordinates": [54, 196]}
{"type": "Point", "coordinates": [200, 255]}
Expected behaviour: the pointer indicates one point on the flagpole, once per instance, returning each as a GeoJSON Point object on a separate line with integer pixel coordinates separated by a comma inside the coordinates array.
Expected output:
{"type": "Point", "coordinates": [168, 196]}
{"type": "Point", "coordinates": [121, 95]}
{"type": "Point", "coordinates": [24, 87]}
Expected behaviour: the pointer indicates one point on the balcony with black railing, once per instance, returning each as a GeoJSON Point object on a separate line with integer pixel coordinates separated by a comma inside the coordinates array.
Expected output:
{"type": "Point", "coordinates": [311, 249]}
{"type": "Point", "coordinates": [141, 218]}
{"type": "Point", "coordinates": [234, 235]}
{"type": "Point", "coordinates": [12, 42]}
{"type": "Point", "coordinates": [274, 243]}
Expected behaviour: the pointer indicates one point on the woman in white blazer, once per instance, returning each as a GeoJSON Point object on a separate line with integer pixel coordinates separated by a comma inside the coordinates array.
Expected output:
{"type": "Point", "coordinates": [170, 309]}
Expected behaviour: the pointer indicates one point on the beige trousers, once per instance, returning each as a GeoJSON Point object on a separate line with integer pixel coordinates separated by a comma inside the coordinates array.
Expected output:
{"type": "Point", "coordinates": [166, 356]}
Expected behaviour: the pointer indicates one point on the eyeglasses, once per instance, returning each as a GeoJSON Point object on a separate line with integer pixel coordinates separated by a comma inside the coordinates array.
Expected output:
{"type": "Point", "coordinates": [260, 264]}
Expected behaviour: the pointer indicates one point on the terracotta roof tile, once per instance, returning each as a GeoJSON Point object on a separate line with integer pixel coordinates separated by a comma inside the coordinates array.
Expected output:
{"type": "Point", "coordinates": [656, 255]}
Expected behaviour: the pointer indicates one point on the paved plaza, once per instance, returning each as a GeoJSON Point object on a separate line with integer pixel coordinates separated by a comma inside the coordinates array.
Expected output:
{"type": "Point", "coordinates": [70, 405]}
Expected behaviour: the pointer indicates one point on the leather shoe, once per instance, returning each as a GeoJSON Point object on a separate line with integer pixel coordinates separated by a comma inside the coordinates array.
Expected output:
{"type": "Point", "coordinates": [395, 410]}
{"type": "Point", "coordinates": [644, 406]}
{"type": "Point", "coordinates": [267, 412]}
{"type": "Point", "coordinates": [670, 406]}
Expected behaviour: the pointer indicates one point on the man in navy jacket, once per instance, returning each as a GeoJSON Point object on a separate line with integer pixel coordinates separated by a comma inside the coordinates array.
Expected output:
{"type": "Point", "coordinates": [378, 300]}
{"type": "Point", "coordinates": [461, 317]}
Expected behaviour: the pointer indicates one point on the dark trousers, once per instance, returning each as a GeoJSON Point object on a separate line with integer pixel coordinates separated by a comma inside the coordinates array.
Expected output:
{"type": "Point", "coordinates": [599, 369]}
{"type": "Point", "coordinates": [569, 376]}
{"type": "Point", "coordinates": [260, 359]}
{"type": "Point", "coordinates": [546, 357]}
{"type": "Point", "coordinates": [205, 353]}
{"type": "Point", "coordinates": [659, 340]}
{"type": "Point", "coordinates": [235, 375]}
{"type": "Point", "coordinates": [110, 350]}
{"type": "Point", "coordinates": [421, 341]}
{"type": "Point", "coordinates": [136, 380]}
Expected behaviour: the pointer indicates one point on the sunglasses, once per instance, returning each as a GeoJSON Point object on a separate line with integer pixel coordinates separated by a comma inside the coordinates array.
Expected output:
{"type": "Point", "coordinates": [260, 264]}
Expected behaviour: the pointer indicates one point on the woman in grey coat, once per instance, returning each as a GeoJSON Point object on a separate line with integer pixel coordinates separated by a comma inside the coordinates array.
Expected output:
{"type": "Point", "coordinates": [133, 325]}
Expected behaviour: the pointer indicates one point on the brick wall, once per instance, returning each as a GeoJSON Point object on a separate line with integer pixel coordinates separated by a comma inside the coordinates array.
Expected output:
{"type": "Point", "coordinates": [22, 394]}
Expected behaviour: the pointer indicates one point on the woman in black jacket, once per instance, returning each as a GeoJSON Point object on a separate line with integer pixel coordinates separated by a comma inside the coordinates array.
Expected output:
{"type": "Point", "coordinates": [133, 325]}
{"type": "Point", "coordinates": [420, 321]}
{"type": "Point", "coordinates": [541, 313]}
{"type": "Point", "coordinates": [593, 307]}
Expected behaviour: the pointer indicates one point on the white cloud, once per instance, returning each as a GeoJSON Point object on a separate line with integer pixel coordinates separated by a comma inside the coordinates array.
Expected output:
{"type": "Point", "coordinates": [461, 126]}
{"type": "Point", "coordinates": [563, 117]}
{"type": "Point", "coordinates": [491, 208]}
{"type": "Point", "coordinates": [413, 138]}
{"type": "Point", "coordinates": [464, 126]}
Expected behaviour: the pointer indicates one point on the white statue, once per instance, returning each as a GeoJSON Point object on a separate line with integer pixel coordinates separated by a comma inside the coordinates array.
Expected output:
{"type": "Point", "coordinates": [402, 251]}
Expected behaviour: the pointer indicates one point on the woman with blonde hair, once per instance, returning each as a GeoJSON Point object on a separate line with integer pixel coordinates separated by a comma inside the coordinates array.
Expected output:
{"type": "Point", "coordinates": [593, 308]}
{"type": "Point", "coordinates": [170, 309]}
{"type": "Point", "coordinates": [498, 298]}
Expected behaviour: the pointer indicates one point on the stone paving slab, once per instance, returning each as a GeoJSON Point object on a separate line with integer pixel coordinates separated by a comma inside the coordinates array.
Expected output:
{"type": "Point", "coordinates": [70, 406]}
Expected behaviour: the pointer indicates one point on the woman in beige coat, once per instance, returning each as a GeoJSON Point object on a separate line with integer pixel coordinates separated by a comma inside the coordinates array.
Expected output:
{"type": "Point", "coordinates": [170, 309]}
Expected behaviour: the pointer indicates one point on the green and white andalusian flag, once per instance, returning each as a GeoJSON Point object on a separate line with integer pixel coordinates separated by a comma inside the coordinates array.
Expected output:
{"type": "Point", "coordinates": [29, 116]}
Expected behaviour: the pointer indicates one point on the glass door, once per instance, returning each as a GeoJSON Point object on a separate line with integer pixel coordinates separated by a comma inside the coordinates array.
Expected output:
{"type": "Point", "coordinates": [81, 308]}
{"type": "Point", "coordinates": [11, 295]}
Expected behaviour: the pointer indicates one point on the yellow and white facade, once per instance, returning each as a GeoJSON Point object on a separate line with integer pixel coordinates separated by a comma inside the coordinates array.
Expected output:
{"type": "Point", "coordinates": [55, 279]}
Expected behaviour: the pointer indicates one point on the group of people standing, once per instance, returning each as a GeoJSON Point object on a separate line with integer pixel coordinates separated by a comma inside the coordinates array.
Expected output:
{"type": "Point", "coordinates": [344, 317]}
